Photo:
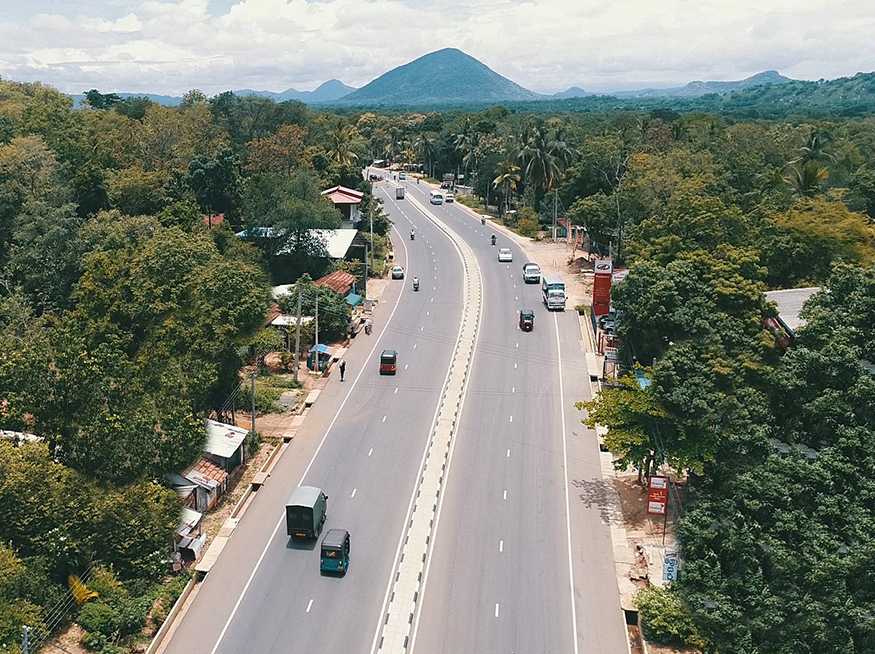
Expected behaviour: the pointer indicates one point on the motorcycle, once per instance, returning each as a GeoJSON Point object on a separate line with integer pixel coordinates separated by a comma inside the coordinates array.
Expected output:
{"type": "Point", "coordinates": [412, 236]}
{"type": "Point", "coordinates": [415, 284]}
{"type": "Point", "coordinates": [482, 221]}
{"type": "Point", "coordinates": [493, 239]}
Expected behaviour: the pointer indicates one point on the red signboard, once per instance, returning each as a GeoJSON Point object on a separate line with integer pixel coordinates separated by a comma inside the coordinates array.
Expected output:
{"type": "Point", "coordinates": [657, 495]}
{"type": "Point", "coordinates": [601, 286]}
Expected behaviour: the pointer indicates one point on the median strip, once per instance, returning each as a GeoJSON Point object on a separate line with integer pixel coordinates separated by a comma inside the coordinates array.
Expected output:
{"type": "Point", "coordinates": [405, 590]}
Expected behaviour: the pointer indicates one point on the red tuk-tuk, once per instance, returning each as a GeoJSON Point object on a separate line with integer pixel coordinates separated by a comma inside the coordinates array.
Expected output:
{"type": "Point", "coordinates": [388, 362]}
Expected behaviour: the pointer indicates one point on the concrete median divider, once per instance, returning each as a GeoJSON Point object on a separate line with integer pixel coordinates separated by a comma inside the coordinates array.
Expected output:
{"type": "Point", "coordinates": [408, 576]}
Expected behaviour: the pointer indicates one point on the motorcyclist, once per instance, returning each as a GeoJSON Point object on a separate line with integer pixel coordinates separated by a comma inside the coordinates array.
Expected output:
{"type": "Point", "coordinates": [493, 239]}
{"type": "Point", "coordinates": [416, 283]}
{"type": "Point", "coordinates": [412, 235]}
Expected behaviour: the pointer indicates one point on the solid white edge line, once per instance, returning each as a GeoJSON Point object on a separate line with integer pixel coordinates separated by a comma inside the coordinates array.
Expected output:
{"type": "Point", "coordinates": [312, 460]}
{"type": "Point", "coordinates": [437, 518]}
{"type": "Point", "coordinates": [416, 483]}
{"type": "Point", "coordinates": [565, 472]}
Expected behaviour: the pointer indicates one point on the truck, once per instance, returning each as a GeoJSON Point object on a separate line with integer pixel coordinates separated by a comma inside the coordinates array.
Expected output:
{"type": "Point", "coordinates": [553, 292]}
{"type": "Point", "coordinates": [306, 510]}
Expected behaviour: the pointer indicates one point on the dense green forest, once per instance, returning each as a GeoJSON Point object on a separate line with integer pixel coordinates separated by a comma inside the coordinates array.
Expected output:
{"type": "Point", "coordinates": [125, 320]}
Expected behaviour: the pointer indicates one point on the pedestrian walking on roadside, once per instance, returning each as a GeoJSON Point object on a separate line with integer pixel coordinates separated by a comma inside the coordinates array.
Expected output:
{"type": "Point", "coordinates": [342, 368]}
{"type": "Point", "coordinates": [368, 326]}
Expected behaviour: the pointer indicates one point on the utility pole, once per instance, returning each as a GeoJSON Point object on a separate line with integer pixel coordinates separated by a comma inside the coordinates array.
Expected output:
{"type": "Point", "coordinates": [555, 202]}
{"type": "Point", "coordinates": [25, 640]}
{"type": "Point", "coordinates": [317, 327]}
{"type": "Point", "coordinates": [298, 335]}
{"type": "Point", "coordinates": [254, 375]}
{"type": "Point", "coordinates": [366, 272]}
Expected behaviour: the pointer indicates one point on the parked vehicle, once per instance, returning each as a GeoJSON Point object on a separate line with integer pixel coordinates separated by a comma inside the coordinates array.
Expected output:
{"type": "Point", "coordinates": [527, 320]}
{"type": "Point", "coordinates": [388, 362]}
{"type": "Point", "coordinates": [397, 272]}
{"type": "Point", "coordinates": [436, 197]}
{"type": "Point", "coordinates": [449, 197]}
{"type": "Point", "coordinates": [553, 293]}
{"type": "Point", "coordinates": [306, 509]}
{"type": "Point", "coordinates": [505, 255]}
{"type": "Point", "coordinates": [399, 192]}
{"type": "Point", "coordinates": [334, 553]}
{"type": "Point", "coordinates": [531, 273]}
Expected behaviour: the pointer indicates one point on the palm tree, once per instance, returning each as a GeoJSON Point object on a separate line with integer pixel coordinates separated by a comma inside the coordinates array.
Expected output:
{"type": "Point", "coordinates": [814, 148]}
{"type": "Point", "coordinates": [806, 179]}
{"type": "Point", "coordinates": [341, 145]}
{"type": "Point", "coordinates": [425, 146]}
{"type": "Point", "coordinates": [465, 143]}
{"type": "Point", "coordinates": [537, 160]}
{"type": "Point", "coordinates": [508, 179]}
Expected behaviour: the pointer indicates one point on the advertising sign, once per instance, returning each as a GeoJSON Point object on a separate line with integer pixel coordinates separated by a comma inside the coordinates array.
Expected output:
{"type": "Point", "coordinates": [657, 495]}
{"type": "Point", "coordinates": [670, 567]}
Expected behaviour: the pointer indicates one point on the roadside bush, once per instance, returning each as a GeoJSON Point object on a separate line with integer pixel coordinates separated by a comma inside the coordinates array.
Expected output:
{"type": "Point", "coordinates": [123, 617]}
{"type": "Point", "coordinates": [167, 596]}
{"type": "Point", "coordinates": [528, 226]}
{"type": "Point", "coordinates": [665, 619]}
{"type": "Point", "coordinates": [265, 399]}
{"type": "Point", "coordinates": [99, 618]}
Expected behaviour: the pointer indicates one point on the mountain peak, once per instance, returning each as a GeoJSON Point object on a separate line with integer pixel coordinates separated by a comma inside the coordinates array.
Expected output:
{"type": "Point", "coordinates": [767, 77]}
{"type": "Point", "coordinates": [444, 76]}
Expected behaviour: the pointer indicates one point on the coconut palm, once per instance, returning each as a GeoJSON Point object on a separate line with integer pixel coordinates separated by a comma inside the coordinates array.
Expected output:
{"type": "Point", "coordinates": [342, 143]}
{"type": "Point", "coordinates": [806, 179]}
{"type": "Point", "coordinates": [539, 164]}
{"type": "Point", "coordinates": [426, 146]}
{"type": "Point", "coordinates": [508, 180]}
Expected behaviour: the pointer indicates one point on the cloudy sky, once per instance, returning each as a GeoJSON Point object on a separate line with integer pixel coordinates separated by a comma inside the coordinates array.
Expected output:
{"type": "Point", "coordinates": [170, 46]}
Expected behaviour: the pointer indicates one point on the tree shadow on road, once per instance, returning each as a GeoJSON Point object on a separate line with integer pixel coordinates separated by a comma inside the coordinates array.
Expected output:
{"type": "Point", "coordinates": [598, 494]}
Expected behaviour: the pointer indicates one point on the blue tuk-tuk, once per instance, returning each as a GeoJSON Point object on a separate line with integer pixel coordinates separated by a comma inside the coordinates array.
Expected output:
{"type": "Point", "coordinates": [334, 556]}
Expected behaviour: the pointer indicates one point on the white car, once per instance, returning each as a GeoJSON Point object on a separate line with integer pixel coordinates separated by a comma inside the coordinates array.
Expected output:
{"type": "Point", "coordinates": [505, 255]}
{"type": "Point", "coordinates": [531, 273]}
{"type": "Point", "coordinates": [397, 272]}
{"type": "Point", "coordinates": [449, 197]}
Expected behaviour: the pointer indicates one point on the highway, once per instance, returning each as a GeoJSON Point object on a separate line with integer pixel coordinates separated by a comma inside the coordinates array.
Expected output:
{"type": "Point", "coordinates": [499, 579]}
{"type": "Point", "coordinates": [521, 558]}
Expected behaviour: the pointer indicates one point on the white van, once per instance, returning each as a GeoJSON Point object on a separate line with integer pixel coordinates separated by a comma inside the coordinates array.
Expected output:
{"type": "Point", "coordinates": [436, 197]}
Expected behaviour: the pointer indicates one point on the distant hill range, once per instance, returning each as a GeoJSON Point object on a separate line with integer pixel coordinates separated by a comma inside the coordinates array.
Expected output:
{"type": "Point", "coordinates": [448, 76]}
{"type": "Point", "coordinates": [573, 92]}
{"type": "Point", "coordinates": [697, 89]}
{"type": "Point", "coordinates": [327, 92]}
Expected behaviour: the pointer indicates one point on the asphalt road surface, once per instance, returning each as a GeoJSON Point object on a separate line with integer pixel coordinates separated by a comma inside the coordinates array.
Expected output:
{"type": "Point", "coordinates": [500, 574]}
{"type": "Point", "coordinates": [499, 579]}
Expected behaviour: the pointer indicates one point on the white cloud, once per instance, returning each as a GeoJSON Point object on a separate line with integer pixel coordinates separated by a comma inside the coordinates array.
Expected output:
{"type": "Point", "coordinates": [169, 46]}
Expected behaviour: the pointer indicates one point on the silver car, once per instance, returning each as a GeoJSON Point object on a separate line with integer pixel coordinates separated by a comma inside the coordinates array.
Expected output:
{"type": "Point", "coordinates": [505, 255]}
{"type": "Point", "coordinates": [397, 272]}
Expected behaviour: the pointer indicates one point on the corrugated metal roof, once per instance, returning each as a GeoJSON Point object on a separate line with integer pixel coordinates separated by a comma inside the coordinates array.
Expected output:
{"type": "Point", "coordinates": [223, 440]}
{"type": "Point", "coordinates": [790, 303]}
{"type": "Point", "coordinates": [339, 281]}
